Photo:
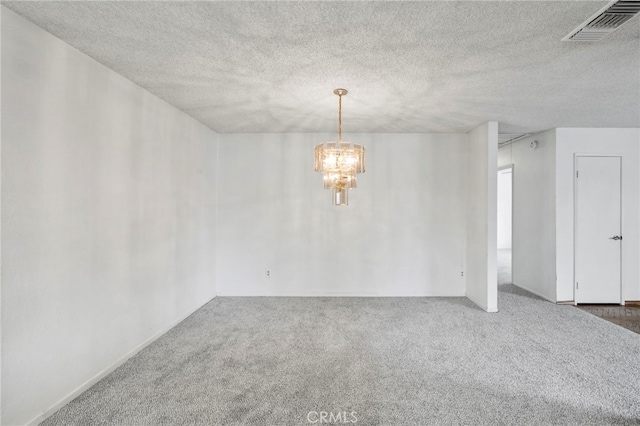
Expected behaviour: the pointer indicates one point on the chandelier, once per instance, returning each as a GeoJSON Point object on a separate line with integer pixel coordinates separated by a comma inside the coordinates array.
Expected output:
{"type": "Point", "coordinates": [339, 162]}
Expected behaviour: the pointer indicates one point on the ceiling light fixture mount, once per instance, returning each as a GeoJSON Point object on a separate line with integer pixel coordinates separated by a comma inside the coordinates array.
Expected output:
{"type": "Point", "coordinates": [339, 162]}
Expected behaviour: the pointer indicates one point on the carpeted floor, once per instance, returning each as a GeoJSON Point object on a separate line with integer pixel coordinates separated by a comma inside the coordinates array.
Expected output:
{"type": "Point", "coordinates": [383, 361]}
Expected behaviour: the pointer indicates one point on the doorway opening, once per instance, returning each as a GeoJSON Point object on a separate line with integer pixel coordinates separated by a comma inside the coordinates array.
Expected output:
{"type": "Point", "coordinates": [505, 215]}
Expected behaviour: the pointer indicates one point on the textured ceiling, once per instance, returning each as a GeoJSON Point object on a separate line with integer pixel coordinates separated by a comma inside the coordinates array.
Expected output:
{"type": "Point", "coordinates": [409, 66]}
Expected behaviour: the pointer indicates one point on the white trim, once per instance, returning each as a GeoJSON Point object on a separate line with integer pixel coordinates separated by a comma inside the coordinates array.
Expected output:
{"type": "Point", "coordinates": [489, 309]}
{"type": "Point", "coordinates": [535, 293]}
{"type": "Point", "coordinates": [336, 294]}
{"type": "Point", "coordinates": [1, 274]}
{"type": "Point", "coordinates": [102, 374]}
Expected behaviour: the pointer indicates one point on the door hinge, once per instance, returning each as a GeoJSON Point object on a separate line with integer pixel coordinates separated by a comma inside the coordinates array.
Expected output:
{"type": "Point", "coordinates": [577, 285]}
{"type": "Point", "coordinates": [577, 172]}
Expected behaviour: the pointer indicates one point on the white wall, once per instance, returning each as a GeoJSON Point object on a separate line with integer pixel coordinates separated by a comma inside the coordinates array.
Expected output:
{"type": "Point", "coordinates": [108, 222]}
{"type": "Point", "coordinates": [1, 257]}
{"type": "Point", "coordinates": [481, 221]}
{"type": "Point", "coordinates": [504, 156]}
{"type": "Point", "coordinates": [625, 142]}
{"type": "Point", "coordinates": [403, 233]}
{"type": "Point", "coordinates": [1, 349]}
{"type": "Point", "coordinates": [504, 209]}
{"type": "Point", "coordinates": [543, 183]}
{"type": "Point", "coordinates": [534, 227]}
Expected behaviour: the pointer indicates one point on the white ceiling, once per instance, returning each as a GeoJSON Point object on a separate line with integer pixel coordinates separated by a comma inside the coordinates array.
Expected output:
{"type": "Point", "coordinates": [430, 66]}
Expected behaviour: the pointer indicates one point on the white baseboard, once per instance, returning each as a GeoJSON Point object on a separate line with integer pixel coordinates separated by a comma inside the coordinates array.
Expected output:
{"type": "Point", "coordinates": [95, 379]}
{"type": "Point", "coordinates": [535, 292]}
{"type": "Point", "coordinates": [489, 309]}
{"type": "Point", "coordinates": [328, 294]}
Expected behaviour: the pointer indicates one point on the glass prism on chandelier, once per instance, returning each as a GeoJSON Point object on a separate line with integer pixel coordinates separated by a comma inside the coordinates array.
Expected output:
{"type": "Point", "coordinates": [339, 162]}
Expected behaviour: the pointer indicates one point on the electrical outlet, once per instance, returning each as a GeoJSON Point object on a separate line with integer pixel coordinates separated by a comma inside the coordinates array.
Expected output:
{"type": "Point", "coordinates": [462, 273]}
{"type": "Point", "coordinates": [268, 273]}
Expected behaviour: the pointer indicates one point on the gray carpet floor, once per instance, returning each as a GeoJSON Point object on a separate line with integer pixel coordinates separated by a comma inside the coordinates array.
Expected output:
{"type": "Point", "coordinates": [383, 361]}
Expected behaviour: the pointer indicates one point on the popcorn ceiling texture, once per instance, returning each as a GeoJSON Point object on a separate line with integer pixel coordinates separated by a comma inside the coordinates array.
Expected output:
{"type": "Point", "coordinates": [409, 66]}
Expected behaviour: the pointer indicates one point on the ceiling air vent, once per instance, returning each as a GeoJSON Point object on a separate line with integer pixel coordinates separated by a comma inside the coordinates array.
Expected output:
{"type": "Point", "coordinates": [606, 21]}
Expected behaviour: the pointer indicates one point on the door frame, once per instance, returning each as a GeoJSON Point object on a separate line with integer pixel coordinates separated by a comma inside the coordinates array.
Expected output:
{"type": "Point", "coordinates": [576, 155]}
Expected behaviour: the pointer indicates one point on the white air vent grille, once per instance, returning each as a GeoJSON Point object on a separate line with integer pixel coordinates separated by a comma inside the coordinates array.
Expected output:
{"type": "Point", "coordinates": [605, 21]}
{"type": "Point", "coordinates": [625, 6]}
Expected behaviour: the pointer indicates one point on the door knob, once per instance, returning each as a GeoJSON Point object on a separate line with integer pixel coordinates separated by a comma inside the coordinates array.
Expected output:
{"type": "Point", "coordinates": [616, 237]}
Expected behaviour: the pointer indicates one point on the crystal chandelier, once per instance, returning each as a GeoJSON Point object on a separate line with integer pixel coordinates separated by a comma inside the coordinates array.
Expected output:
{"type": "Point", "coordinates": [339, 162]}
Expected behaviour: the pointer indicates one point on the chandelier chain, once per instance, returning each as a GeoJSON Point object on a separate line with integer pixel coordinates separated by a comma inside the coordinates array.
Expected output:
{"type": "Point", "coordinates": [340, 118]}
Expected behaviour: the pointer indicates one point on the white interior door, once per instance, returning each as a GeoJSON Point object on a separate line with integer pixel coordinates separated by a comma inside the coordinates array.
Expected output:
{"type": "Point", "coordinates": [598, 243]}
